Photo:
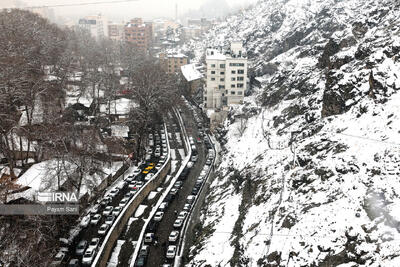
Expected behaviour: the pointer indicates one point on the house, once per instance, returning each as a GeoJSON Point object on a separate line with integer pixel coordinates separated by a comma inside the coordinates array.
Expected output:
{"type": "Point", "coordinates": [226, 76]}
{"type": "Point", "coordinates": [193, 75]}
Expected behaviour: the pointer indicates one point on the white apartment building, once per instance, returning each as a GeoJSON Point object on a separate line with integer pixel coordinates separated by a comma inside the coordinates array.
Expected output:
{"type": "Point", "coordinates": [226, 76]}
{"type": "Point", "coordinates": [97, 25]}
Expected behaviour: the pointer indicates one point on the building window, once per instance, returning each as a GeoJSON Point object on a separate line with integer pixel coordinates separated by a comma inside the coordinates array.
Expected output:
{"type": "Point", "coordinates": [233, 72]}
{"type": "Point", "coordinates": [236, 64]}
{"type": "Point", "coordinates": [205, 98]}
{"type": "Point", "coordinates": [233, 92]}
{"type": "Point", "coordinates": [212, 65]}
{"type": "Point", "coordinates": [222, 79]}
{"type": "Point", "coordinates": [233, 85]}
{"type": "Point", "coordinates": [222, 66]}
{"type": "Point", "coordinates": [233, 79]}
{"type": "Point", "coordinates": [212, 79]}
{"type": "Point", "coordinates": [222, 72]}
{"type": "Point", "coordinates": [240, 78]}
{"type": "Point", "coordinates": [240, 85]}
{"type": "Point", "coordinates": [240, 92]}
{"type": "Point", "coordinates": [212, 72]}
{"type": "Point", "coordinates": [221, 86]}
{"type": "Point", "coordinates": [240, 71]}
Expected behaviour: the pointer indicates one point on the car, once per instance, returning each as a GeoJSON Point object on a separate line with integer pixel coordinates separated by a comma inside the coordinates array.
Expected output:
{"type": "Point", "coordinates": [73, 263]}
{"type": "Point", "coordinates": [58, 259]}
{"type": "Point", "coordinates": [190, 199]}
{"type": "Point", "coordinates": [208, 162]}
{"type": "Point", "coordinates": [195, 190]}
{"type": "Point", "coordinates": [194, 158]}
{"type": "Point", "coordinates": [139, 183]}
{"type": "Point", "coordinates": [103, 229]}
{"type": "Point", "coordinates": [95, 219]}
{"type": "Point", "coordinates": [158, 216]}
{"type": "Point", "coordinates": [158, 166]}
{"type": "Point", "coordinates": [123, 202]}
{"type": "Point", "coordinates": [85, 221]}
{"type": "Point", "coordinates": [178, 223]}
{"type": "Point", "coordinates": [173, 236]}
{"type": "Point", "coordinates": [163, 206]}
{"type": "Point", "coordinates": [152, 227]}
{"type": "Point", "coordinates": [145, 171]}
{"type": "Point", "coordinates": [114, 192]}
{"type": "Point", "coordinates": [108, 210]}
{"type": "Point", "coordinates": [88, 257]}
{"type": "Point", "coordinates": [80, 248]}
{"type": "Point", "coordinates": [129, 195]}
{"type": "Point", "coordinates": [173, 191]}
{"type": "Point", "coordinates": [157, 153]}
{"type": "Point", "coordinates": [116, 211]}
{"type": "Point", "coordinates": [198, 141]}
{"type": "Point", "coordinates": [151, 165]}
{"type": "Point", "coordinates": [136, 172]}
{"type": "Point", "coordinates": [144, 251]}
{"type": "Point", "coordinates": [94, 243]}
{"type": "Point", "coordinates": [147, 157]}
{"type": "Point", "coordinates": [169, 198]}
{"type": "Point", "coordinates": [132, 185]}
{"type": "Point", "coordinates": [105, 201]}
{"type": "Point", "coordinates": [109, 219]}
{"type": "Point", "coordinates": [141, 261]}
{"type": "Point", "coordinates": [171, 251]}
{"type": "Point", "coordinates": [187, 207]}
{"type": "Point", "coordinates": [178, 184]}
{"type": "Point", "coordinates": [148, 238]}
{"type": "Point", "coordinates": [190, 164]}
{"type": "Point", "coordinates": [149, 177]}
{"type": "Point", "coordinates": [95, 209]}
{"type": "Point", "coordinates": [121, 185]}
{"type": "Point", "coordinates": [182, 215]}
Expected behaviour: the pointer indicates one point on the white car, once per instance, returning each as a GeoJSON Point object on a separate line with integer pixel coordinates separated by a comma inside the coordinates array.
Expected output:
{"type": "Point", "coordinates": [95, 219]}
{"type": "Point", "coordinates": [149, 177]}
{"type": "Point", "coordinates": [187, 207]}
{"type": "Point", "coordinates": [173, 236]}
{"type": "Point", "coordinates": [123, 202]}
{"type": "Point", "coordinates": [194, 158]}
{"type": "Point", "coordinates": [108, 210]}
{"type": "Point", "coordinates": [190, 164]}
{"type": "Point", "coordinates": [171, 252]}
{"type": "Point", "coordinates": [182, 215]}
{"type": "Point", "coordinates": [148, 238]}
{"type": "Point", "coordinates": [116, 211]}
{"type": "Point", "coordinates": [85, 221]}
{"type": "Point", "coordinates": [178, 223]}
{"type": "Point", "coordinates": [103, 229]}
{"type": "Point", "coordinates": [157, 153]}
{"type": "Point", "coordinates": [109, 219]}
{"type": "Point", "coordinates": [88, 257]}
{"type": "Point", "coordinates": [114, 192]}
{"type": "Point", "coordinates": [94, 243]}
{"type": "Point", "coordinates": [136, 172]}
{"type": "Point", "coordinates": [58, 259]}
{"type": "Point", "coordinates": [158, 216]}
{"type": "Point", "coordinates": [95, 209]}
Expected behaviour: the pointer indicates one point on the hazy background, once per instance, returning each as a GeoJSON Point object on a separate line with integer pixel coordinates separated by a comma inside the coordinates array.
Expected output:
{"type": "Point", "coordinates": [147, 9]}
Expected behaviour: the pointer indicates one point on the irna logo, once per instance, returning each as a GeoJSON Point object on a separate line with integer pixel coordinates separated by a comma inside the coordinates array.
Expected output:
{"type": "Point", "coordinates": [57, 197]}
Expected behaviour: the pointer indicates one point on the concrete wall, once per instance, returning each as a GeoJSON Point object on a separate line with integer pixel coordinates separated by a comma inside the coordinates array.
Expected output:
{"type": "Point", "coordinates": [117, 230]}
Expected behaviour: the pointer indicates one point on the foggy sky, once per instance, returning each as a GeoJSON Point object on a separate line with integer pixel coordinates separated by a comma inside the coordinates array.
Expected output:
{"type": "Point", "coordinates": [147, 9]}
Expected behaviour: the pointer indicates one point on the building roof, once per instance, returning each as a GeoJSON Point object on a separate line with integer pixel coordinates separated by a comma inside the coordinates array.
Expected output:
{"type": "Point", "coordinates": [214, 54]}
{"type": "Point", "coordinates": [191, 72]}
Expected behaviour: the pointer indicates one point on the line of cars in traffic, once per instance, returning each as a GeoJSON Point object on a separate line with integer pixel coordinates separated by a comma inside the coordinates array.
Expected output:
{"type": "Point", "coordinates": [104, 214]}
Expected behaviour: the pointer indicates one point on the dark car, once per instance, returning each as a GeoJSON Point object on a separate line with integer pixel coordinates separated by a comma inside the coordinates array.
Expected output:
{"type": "Point", "coordinates": [152, 227]}
{"type": "Point", "coordinates": [195, 191]}
{"type": "Point", "coordinates": [141, 261]}
{"type": "Point", "coordinates": [73, 263]}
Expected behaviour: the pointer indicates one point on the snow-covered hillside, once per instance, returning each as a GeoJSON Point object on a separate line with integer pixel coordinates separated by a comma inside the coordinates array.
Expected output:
{"type": "Point", "coordinates": [311, 163]}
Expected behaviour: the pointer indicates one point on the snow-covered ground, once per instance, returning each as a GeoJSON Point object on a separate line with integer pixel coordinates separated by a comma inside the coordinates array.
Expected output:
{"type": "Point", "coordinates": [313, 178]}
{"type": "Point", "coordinates": [140, 210]}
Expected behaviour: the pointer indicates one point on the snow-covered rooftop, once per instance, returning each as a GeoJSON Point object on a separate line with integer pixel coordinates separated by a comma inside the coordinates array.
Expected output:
{"type": "Point", "coordinates": [191, 72]}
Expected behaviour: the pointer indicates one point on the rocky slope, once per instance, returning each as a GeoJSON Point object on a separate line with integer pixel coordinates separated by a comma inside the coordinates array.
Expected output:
{"type": "Point", "coordinates": [310, 174]}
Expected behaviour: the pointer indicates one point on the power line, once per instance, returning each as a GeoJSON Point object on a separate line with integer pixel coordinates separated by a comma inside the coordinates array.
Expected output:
{"type": "Point", "coordinates": [83, 4]}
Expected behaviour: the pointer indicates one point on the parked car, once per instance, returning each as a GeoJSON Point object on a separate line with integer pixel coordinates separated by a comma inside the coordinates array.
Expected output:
{"type": "Point", "coordinates": [190, 199]}
{"type": "Point", "coordinates": [182, 215]}
{"type": "Point", "coordinates": [105, 201]}
{"type": "Point", "coordinates": [158, 216]}
{"type": "Point", "coordinates": [173, 236]}
{"type": "Point", "coordinates": [141, 261]}
{"type": "Point", "coordinates": [114, 192]}
{"type": "Point", "coordinates": [178, 223]}
{"type": "Point", "coordinates": [88, 257]}
{"type": "Point", "coordinates": [103, 229]}
{"type": "Point", "coordinates": [116, 211]}
{"type": "Point", "coordinates": [123, 202]}
{"type": "Point", "coordinates": [73, 263]}
{"type": "Point", "coordinates": [58, 259]}
{"type": "Point", "coordinates": [129, 195]}
{"type": "Point", "coordinates": [108, 210]}
{"type": "Point", "coordinates": [80, 248]}
{"type": "Point", "coordinates": [178, 184]}
{"type": "Point", "coordinates": [95, 219]}
{"type": "Point", "coordinates": [149, 177]}
{"type": "Point", "coordinates": [194, 158]}
{"type": "Point", "coordinates": [95, 209]}
{"type": "Point", "coordinates": [171, 252]}
{"type": "Point", "coordinates": [195, 190]}
{"type": "Point", "coordinates": [109, 219]}
{"type": "Point", "coordinates": [144, 251]}
{"type": "Point", "coordinates": [85, 221]}
{"type": "Point", "coordinates": [187, 207]}
{"type": "Point", "coordinates": [94, 243]}
{"type": "Point", "coordinates": [173, 191]}
{"type": "Point", "coordinates": [148, 238]}
{"type": "Point", "coordinates": [163, 206]}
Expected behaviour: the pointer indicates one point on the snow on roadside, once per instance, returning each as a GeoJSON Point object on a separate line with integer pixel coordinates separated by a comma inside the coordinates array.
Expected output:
{"type": "Point", "coordinates": [140, 210]}
{"type": "Point", "coordinates": [113, 262]}
{"type": "Point", "coordinates": [152, 195]}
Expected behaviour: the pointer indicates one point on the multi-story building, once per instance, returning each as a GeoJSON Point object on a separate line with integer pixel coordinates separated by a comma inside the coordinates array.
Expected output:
{"type": "Point", "coordinates": [139, 33]}
{"type": "Point", "coordinates": [97, 25]}
{"type": "Point", "coordinates": [116, 32]}
{"type": "Point", "coordinates": [172, 63]}
{"type": "Point", "coordinates": [226, 76]}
